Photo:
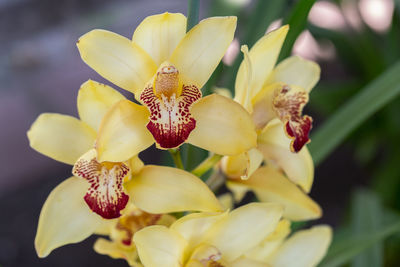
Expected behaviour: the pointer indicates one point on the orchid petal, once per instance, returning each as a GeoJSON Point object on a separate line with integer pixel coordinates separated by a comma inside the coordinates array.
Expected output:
{"type": "Point", "coordinates": [222, 126]}
{"type": "Point", "coordinates": [65, 218]}
{"type": "Point", "coordinates": [274, 144]}
{"type": "Point", "coordinates": [270, 185]}
{"type": "Point", "coordinates": [263, 56]}
{"type": "Point", "coordinates": [158, 189]}
{"type": "Point", "coordinates": [296, 71]}
{"type": "Point", "coordinates": [61, 137]}
{"type": "Point", "coordinates": [305, 248]}
{"type": "Point", "coordinates": [160, 246]}
{"type": "Point", "coordinates": [200, 51]}
{"type": "Point", "coordinates": [159, 35]}
{"type": "Point", "coordinates": [94, 100]}
{"type": "Point", "coordinates": [123, 133]}
{"type": "Point", "coordinates": [117, 59]}
{"type": "Point", "coordinates": [243, 228]}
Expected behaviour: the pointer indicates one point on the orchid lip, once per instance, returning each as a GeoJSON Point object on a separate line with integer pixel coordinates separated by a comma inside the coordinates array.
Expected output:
{"type": "Point", "coordinates": [105, 195]}
{"type": "Point", "coordinates": [169, 102]}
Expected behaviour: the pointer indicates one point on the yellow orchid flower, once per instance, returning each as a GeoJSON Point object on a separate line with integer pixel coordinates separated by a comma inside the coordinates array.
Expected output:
{"type": "Point", "coordinates": [66, 218]}
{"type": "Point", "coordinates": [275, 96]}
{"type": "Point", "coordinates": [165, 68]}
{"type": "Point", "coordinates": [104, 187]}
{"type": "Point", "coordinates": [305, 248]}
{"type": "Point", "coordinates": [121, 231]}
{"type": "Point", "coordinates": [207, 239]}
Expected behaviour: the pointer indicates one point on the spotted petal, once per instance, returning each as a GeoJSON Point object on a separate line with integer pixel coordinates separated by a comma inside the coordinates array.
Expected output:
{"type": "Point", "coordinates": [288, 104]}
{"type": "Point", "coordinates": [65, 218]}
{"type": "Point", "coordinates": [170, 121]}
{"type": "Point", "coordinates": [106, 195]}
{"type": "Point", "coordinates": [159, 35]}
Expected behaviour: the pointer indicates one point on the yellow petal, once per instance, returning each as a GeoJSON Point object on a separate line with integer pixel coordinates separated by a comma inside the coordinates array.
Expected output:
{"type": "Point", "coordinates": [115, 251]}
{"type": "Point", "coordinates": [65, 218]}
{"type": "Point", "coordinates": [222, 126]}
{"type": "Point", "coordinates": [263, 56]}
{"type": "Point", "coordinates": [242, 95]}
{"type": "Point", "coordinates": [243, 165]}
{"type": "Point", "coordinates": [158, 189]}
{"type": "Point", "coordinates": [123, 133]}
{"type": "Point", "coordinates": [61, 137]}
{"type": "Point", "coordinates": [200, 51]}
{"type": "Point", "coordinates": [117, 59]}
{"type": "Point", "coordinates": [238, 190]}
{"type": "Point", "coordinates": [94, 100]}
{"type": "Point", "coordinates": [271, 186]}
{"type": "Point", "coordinates": [246, 262]}
{"type": "Point", "coordinates": [192, 227]}
{"type": "Point", "coordinates": [296, 71]}
{"type": "Point", "coordinates": [303, 249]}
{"type": "Point", "coordinates": [159, 35]}
{"type": "Point", "coordinates": [263, 250]}
{"type": "Point", "coordinates": [227, 201]}
{"type": "Point", "coordinates": [263, 105]}
{"type": "Point", "coordinates": [243, 229]}
{"type": "Point", "coordinates": [274, 144]}
{"type": "Point", "coordinates": [160, 246]}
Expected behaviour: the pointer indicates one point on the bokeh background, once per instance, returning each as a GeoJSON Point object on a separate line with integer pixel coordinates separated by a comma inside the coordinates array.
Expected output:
{"type": "Point", "coordinates": [354, 41]}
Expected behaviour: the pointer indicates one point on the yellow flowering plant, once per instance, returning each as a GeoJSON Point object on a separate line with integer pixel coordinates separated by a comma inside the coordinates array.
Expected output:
{"type": "Point", "coordinates": [166, 216]}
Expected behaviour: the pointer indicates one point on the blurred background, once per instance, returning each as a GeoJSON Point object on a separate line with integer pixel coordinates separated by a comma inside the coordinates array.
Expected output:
{"type": "Point", "coordinates": [354, 41]}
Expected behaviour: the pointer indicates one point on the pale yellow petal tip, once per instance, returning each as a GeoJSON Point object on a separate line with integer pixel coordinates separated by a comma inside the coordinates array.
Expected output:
{"type": "Point", "coordinates": [40, 251]}
{"type": "Point", "coordinates": [244, 49]}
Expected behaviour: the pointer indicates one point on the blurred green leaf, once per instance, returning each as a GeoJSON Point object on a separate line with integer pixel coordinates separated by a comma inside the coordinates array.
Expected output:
{"type": "Point", "coordinates": [358, 109]}
{"type": "Point", "coordinates": [297, 20]}
{"type": "Point", "coordinates": [367, 217]}
{"type": "Point", "coordinates": [343, 250]}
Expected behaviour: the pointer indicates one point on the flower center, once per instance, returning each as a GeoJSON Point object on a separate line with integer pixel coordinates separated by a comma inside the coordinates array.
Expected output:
{"type": "Point", "coordinates": [132, 222]}
{"type": "Point", "coordinates": [166, 82]}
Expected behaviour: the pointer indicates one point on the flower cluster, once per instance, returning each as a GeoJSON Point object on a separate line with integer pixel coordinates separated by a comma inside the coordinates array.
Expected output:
{"type": "Point", "coordinates": [164, 216]}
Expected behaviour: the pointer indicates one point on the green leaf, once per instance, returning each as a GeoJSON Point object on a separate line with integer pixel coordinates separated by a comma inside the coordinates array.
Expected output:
{"type": "Point", "coordinates": [297, 20]}
{"type": "Point", "coordinates": [344, 249]}
{"type": "Point", "coordinates": [193, 13]}
{"type": "Point", "coordinates": [352, 114]}
{"type": "Point", "coordinates": [367, 217]}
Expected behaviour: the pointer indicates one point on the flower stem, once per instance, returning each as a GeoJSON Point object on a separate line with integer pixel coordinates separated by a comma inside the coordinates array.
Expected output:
{"type": "Point", "coordinates": [207, 164]}
{"type": "Point", "coordinates": [176, 156]}
{"type": "Point", "coordinates": [193, 13]}
{"type": "Point", "coordinates": [216, 180]}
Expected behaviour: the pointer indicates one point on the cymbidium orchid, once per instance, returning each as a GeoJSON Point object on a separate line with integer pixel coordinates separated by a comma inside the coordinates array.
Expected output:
{"type": "Point", "coordinates": [105, 187]}
{"type": "Point", "coordinates": [165, 68]}
{"type": "Point", "coordinates": [208, 239]}
{"type": "Point", "coordinates": [275, 97]}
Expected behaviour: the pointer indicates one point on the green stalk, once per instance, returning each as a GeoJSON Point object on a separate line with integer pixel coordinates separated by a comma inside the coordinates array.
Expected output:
{"type": "Point", "coordinates": [176, 156]}
{"type": "Point", "coordinates": [193, 13]}
{"type": "Point", "coordinates": [207, 164]}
